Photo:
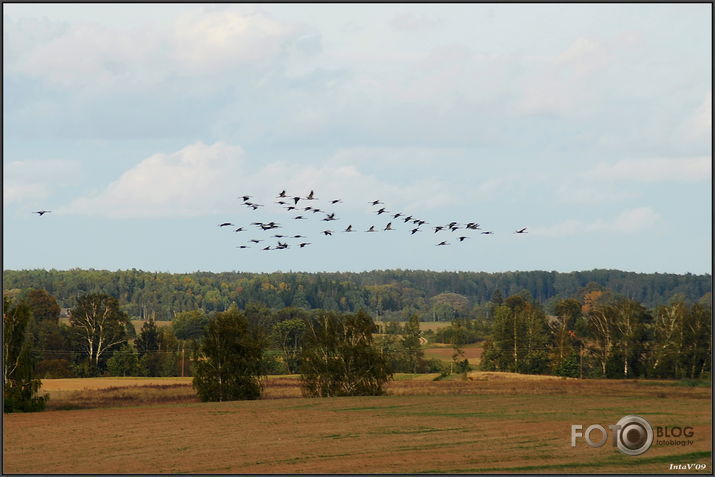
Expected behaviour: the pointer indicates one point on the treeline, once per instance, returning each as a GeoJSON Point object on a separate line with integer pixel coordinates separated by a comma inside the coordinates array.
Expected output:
{"type": "Point", "coordinates": [602, 335]}
{"type": "Point", "coordinates": [596, 334]}
{"type": "Point", "coordinates": [101, 341]}
{"type": "Point", "coordinates": [230, 351]}
{"type": "Point", "coordinates": [387, 294]}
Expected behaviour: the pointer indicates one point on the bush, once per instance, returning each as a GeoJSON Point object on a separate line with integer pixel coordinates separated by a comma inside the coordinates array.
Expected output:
{"type": "Point", "coordinates": [569, 367]}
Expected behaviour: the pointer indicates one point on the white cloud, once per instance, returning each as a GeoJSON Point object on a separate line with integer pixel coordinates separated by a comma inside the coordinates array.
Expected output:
{"type": "Point", "coordinates": [700, 124]}
{"type": "Point", "coordinates": [219, 38]}
{"type": "Point", "coordinates": [408, 21]}
{"type": "Point", "coordinates": [202, 42]}
{"type": "Point", "coordinates": [35, 179]}
{"type": "Point", "coordinates": [581, 192]}
{"type": "Point", "coordinates": [205, 179]}
{"type": "Point", "coordinates": [627, 222]}
{"type": "Point", "coordinates": [192, 181]}
{"type": "Point", "coordinates": [584, 56]}
{"type": "Point", "coordinates": [657, 169]}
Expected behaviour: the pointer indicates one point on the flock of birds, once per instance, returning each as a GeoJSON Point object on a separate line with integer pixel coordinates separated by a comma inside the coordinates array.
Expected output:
{"type": "Point", "coordinates": [304, 208]}
{"type": "Point", "coordinates": [303, 211]}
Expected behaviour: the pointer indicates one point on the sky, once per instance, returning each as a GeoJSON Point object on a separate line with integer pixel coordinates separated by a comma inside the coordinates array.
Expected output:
{"type": "Point", "coordinates": [140, 126]}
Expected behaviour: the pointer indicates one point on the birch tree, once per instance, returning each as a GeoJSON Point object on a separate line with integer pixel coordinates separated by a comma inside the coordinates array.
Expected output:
{"type": "Point", "coordinates": [99, 326]}
{"type": "Point", "coordinates": [20, 386]}
{"type": "Point", "coordinates": [339, 357]}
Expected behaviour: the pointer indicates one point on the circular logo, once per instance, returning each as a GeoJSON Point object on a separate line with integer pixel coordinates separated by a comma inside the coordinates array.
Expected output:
{"type": "Point", "coordinates": [635, 435]}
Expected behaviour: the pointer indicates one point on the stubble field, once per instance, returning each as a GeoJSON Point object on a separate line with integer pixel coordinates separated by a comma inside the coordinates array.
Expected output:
{"type": "Point", "coordinates": [491, 422]}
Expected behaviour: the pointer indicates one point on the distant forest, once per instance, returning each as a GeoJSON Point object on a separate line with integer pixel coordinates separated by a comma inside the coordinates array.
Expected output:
{"type": "Point", "coordinates": [386, 294]}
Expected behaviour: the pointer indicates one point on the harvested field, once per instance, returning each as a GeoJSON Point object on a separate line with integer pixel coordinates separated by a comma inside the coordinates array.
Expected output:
{"type": "Point", "coordinates": [492, 422]}
{"type": "Point", "coordinates": [471, 352]}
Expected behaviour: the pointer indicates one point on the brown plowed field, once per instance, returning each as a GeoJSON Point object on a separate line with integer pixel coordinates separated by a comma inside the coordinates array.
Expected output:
{"type": "Point", "coordinates": [493, 422]}
{"type": "Point", "coordinates": [471, 352]}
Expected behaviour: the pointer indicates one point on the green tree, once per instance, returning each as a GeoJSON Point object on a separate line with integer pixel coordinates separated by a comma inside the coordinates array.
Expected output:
{"type": "Point", "coordinates": [148, 339]}
{"type": "Point", "coordinates": [600, 316]}
{"type": "Point", "coordinates": [227, 364]}
{"type": "Point", "coordinates": [562, 327]}
{"type": "Point", "coordinates": [124, 362]}
{"type": "Point", "coordinates": [288, 336]}
{"type": "Point", "coordinates": [629, 321]}
{"type": "Point", "coordinates": [99, 327]}
{"type": "Point", "coordinates": [190, 325]}
{"type": "Point", "coordinates": [20, 385]}
{"type": "Point", "coordinates": [520, 338]}
{"type": "Point", "coordinates": [697, 350]}
{"type": "Point", "coordinates": [411, 346]}
{"type": "Point", "coordinates": [43, 305]}
{"type": "Point", "coordinates": [339, 357]}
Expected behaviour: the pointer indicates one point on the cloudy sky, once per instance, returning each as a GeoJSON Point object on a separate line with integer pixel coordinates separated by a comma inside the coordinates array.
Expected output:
{"type": "Point", "coordinates": [139, 126]}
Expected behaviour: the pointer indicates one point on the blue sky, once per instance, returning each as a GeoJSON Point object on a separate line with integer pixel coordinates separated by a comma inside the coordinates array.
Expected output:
{"type": "Point", "coordinates": [140, 126]}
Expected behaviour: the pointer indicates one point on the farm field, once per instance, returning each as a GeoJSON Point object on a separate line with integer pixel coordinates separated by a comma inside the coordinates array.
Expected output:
{"type": "Point", "coordinates": [491, 422]}
{"type": "Point", "coordinates": [444, 352]}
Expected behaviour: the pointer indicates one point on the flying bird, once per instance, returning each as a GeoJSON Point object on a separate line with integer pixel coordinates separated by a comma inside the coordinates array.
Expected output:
{"type": "Point", "coordinates": [301, 245]}
{"type": "Point", "coordinates": [256, 240]}
{"type": "Point", "coordinates": [389, 226]}
{"type": "Point", "coordinates": [461, 239]}
{"type": "Point", "coordinates": [408, 218]}
{"type": "Point", "coordinates": [328, 232]}
{"type": "Point", "coordinates": [246, 197]}
{"type": "Point", "coordinates": [225, 224]}
{"type": "Point", "coordinates": [381, 211]}
{"type": "Point", "coordinates": [298, 236]}
{"type": "Point", "coordinates": [243, 246]}
{"type": "Point", "coordinates": [438, 228]}
{"type": "Point", "coordinates": [521, 231]}
{"type": "Point", "coordinates": [442, 243]}
{"type": "Point", "coordinates": [330, 217]}
{"type": "Point", "coordinates": [335, 201]}
{"type": "Point", "coordinates": [267, 248]}
{"type": "Point", "coordinates": [282, 194]}
{"type": "Point", "coordinates": [371, 229]}
{"type": "Point", "coordinates": [375, 202]}
{"type": "Point", "coordinates": [295, 200]}
{"type": "Point", "coordinates": [240, 229]}
{"type": "Point", "coordinates": [349, 229]}
{"type": "Point", "coordinates": [42, 212]}
{"type": "Point", "coordinates": [396, 215]}
{"type": "Point", "coordinates": [299, 217]}
{"type": "Point", "coordinates": [487, 233]}
{"type": "Point", "coordinates": [310, 196]}
{"type": "Point", "coordinates": [413, 231]}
